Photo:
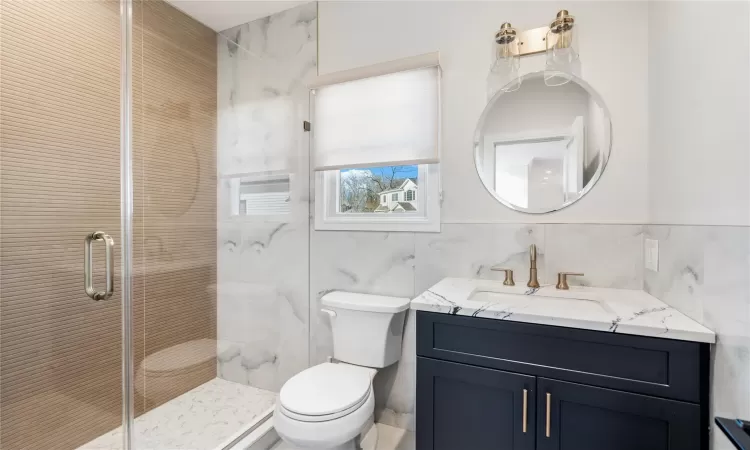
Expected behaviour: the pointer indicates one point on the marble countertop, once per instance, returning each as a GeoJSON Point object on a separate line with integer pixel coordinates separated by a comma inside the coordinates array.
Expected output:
{"type": "Point", "coordinates": [600, 309]}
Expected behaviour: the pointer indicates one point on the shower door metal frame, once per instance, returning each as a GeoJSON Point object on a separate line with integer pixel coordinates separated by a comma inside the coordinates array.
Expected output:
{"type": "Point", "coordinates": [126, 215]}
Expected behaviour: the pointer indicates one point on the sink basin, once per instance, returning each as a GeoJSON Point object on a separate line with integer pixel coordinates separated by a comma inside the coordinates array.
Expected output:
{"type": "Point", "coordinates": [546, 299]}
{"type": "Point", "coordinates": [575, 293]}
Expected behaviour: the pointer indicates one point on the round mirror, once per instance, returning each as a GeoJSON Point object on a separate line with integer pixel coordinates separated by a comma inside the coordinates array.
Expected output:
{"type": "Point", "coordinates": [541, 148]}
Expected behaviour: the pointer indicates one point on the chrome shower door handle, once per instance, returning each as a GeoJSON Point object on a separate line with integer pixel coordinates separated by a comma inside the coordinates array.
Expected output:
{"type": "Point", "coordinates": [88, 278]}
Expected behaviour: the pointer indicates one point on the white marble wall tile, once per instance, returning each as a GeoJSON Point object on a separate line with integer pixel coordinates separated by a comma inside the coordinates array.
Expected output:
{"type": "Point", "coordinates": [262, 98]}
{"type": "Point", "coordinates": [679, 281]}
{"type": "Point", "coordinates": [609, 255]}
{"type": "Point", "coordinates": [469, 250]}
{"type": "Point", "coordinates": [705, 273]}
{"type": "Point", "coordinates": [263, 269]}
{"type": "Point", "coordinates": [262, 303]}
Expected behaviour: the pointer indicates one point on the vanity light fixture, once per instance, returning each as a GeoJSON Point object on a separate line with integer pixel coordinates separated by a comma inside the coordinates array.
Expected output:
{"type": "Point", "coordinates": [504, 70]}
{"type": "Point", "coordinates": [562, 57]}
{"type": "Point", "coordinates": [555, 40]}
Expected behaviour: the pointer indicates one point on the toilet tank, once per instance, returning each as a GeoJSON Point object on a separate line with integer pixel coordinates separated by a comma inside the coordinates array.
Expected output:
{"type": "Point", "coordinates": [367, 329]}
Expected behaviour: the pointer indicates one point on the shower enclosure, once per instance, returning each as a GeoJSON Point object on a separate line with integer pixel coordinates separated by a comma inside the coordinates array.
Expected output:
{"type": "Point", "coordinates": [147, 163]}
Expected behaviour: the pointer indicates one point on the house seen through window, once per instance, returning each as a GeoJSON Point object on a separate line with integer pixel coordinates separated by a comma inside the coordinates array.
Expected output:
{"type": "Point", "coordinates": [382, 190]}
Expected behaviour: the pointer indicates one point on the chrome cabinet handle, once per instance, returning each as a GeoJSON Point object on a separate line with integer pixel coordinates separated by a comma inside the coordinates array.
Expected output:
{"type": "Point", "coordinates": [109, 256]}
{"type": "Point", "coordinates": [549, 402]}
{"type": "Point", "coordinates": [525, 408]}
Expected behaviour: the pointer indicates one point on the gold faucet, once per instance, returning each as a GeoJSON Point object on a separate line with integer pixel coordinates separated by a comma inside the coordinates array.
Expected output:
{"type": "Point", "coordinates": [533, 281]}
{"type": "Point", "coordinates": [562, 279]}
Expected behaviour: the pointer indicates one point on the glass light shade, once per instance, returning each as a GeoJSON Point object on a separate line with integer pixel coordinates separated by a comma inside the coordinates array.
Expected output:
{"type": "Point", "coordinates": [503, 74]}
{"type": "Point", "coordinates": [562, 59]}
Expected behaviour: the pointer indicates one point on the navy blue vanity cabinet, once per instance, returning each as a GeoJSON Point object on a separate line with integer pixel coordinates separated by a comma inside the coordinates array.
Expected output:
{"type": "Point", "coordinates": [584, 390]}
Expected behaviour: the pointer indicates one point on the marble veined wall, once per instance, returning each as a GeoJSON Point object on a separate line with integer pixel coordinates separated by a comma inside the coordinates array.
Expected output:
{"type": "Point", "coordinates": [704, 272]}
{"type": "Point", "coordinates": [263, 240]}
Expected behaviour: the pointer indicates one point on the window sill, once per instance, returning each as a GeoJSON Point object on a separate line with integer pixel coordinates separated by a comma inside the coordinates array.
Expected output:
{"type": "Point", "coordinates": [419, 226]}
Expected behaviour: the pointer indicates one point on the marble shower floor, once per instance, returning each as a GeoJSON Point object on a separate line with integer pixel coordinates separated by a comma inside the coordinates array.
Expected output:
{"type": "Point", "coordinates": [201, 419]}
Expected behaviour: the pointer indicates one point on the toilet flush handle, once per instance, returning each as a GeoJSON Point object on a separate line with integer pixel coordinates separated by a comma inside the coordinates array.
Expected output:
{"type": "Point", "coordinates": [331, 313]}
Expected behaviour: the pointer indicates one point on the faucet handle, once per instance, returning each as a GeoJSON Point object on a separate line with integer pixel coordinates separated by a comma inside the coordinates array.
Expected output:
{"type": "Point", "coordinates": [508, 275]}
{"type": "Point", "coordinates": [562, 279]}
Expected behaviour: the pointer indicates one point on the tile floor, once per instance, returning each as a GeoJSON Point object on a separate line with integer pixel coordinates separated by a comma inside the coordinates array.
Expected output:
{"type": "Point", "coordinates": [201, 419]}
{"type": "Point", "coordinates": [389, 438]}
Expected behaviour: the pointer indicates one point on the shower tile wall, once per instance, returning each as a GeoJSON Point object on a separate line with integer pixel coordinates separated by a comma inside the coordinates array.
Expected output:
{"type": "Point", "coordinates": [263, 268]}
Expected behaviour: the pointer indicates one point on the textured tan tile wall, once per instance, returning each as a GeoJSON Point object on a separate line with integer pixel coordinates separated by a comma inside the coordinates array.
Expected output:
{"type": "Point", "coordinates": [59, 180]}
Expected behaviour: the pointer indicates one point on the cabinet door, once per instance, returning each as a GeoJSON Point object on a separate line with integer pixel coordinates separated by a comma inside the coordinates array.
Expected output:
{"type": "Point", "coordinates": [467, 407]}
{"type": "Point", "coordinates": [573, 416]}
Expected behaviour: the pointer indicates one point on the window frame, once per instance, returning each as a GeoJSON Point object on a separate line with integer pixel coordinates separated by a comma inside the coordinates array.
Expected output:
{"type": "Point", "coordinates": [425, 219]}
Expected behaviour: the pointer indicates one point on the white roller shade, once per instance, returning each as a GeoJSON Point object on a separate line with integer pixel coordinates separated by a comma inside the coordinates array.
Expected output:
{"type": "Point", "coordinates": [385, 119]}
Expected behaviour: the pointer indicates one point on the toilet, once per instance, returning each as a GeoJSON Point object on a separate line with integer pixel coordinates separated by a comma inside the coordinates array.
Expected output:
{"type": "Point", "coordinates": [327, 406]}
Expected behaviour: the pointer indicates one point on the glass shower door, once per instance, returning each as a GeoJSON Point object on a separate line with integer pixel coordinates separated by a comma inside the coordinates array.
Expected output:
{"type": "Point", "coordinates": [60, 329]}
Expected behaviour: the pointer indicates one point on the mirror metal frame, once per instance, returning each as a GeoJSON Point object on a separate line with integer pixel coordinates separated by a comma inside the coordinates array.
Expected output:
{"type": "Point", "coordinates": [606, 151]}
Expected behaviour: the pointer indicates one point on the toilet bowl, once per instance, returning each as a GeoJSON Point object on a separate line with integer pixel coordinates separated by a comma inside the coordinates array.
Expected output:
{"type": "Point", "coordinates": [327, 406]}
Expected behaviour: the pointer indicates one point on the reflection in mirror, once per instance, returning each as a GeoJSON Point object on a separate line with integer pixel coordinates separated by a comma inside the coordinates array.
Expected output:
{"type": "Point", "coordinates": [541, 148]}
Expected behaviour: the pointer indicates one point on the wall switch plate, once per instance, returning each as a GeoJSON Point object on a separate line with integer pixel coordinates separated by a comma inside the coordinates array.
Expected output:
{"type": "Point", "coordinates": [651, 254]}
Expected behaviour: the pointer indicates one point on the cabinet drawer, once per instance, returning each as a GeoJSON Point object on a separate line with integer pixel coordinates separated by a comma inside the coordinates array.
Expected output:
{"type": "Point", "coordinates": [660, 367]}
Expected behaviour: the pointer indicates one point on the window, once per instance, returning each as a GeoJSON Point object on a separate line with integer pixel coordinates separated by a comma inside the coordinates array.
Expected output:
{"type": "Point", "coordinates": [351, 199]}
{"type": "Point", "coordinates": [365, 156]}
{"type": "Point", "coordinates": [359, 189]}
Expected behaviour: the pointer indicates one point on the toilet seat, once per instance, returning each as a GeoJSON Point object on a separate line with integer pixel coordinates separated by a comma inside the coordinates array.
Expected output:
{"type": "Point", "coordinates": [329, 434]}
{"type": "Point", "coordinates": [326, 392]}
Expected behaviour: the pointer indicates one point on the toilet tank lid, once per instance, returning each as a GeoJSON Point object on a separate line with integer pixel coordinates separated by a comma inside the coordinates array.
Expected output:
{"type": "Point", "coordinates": [365, 302]}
